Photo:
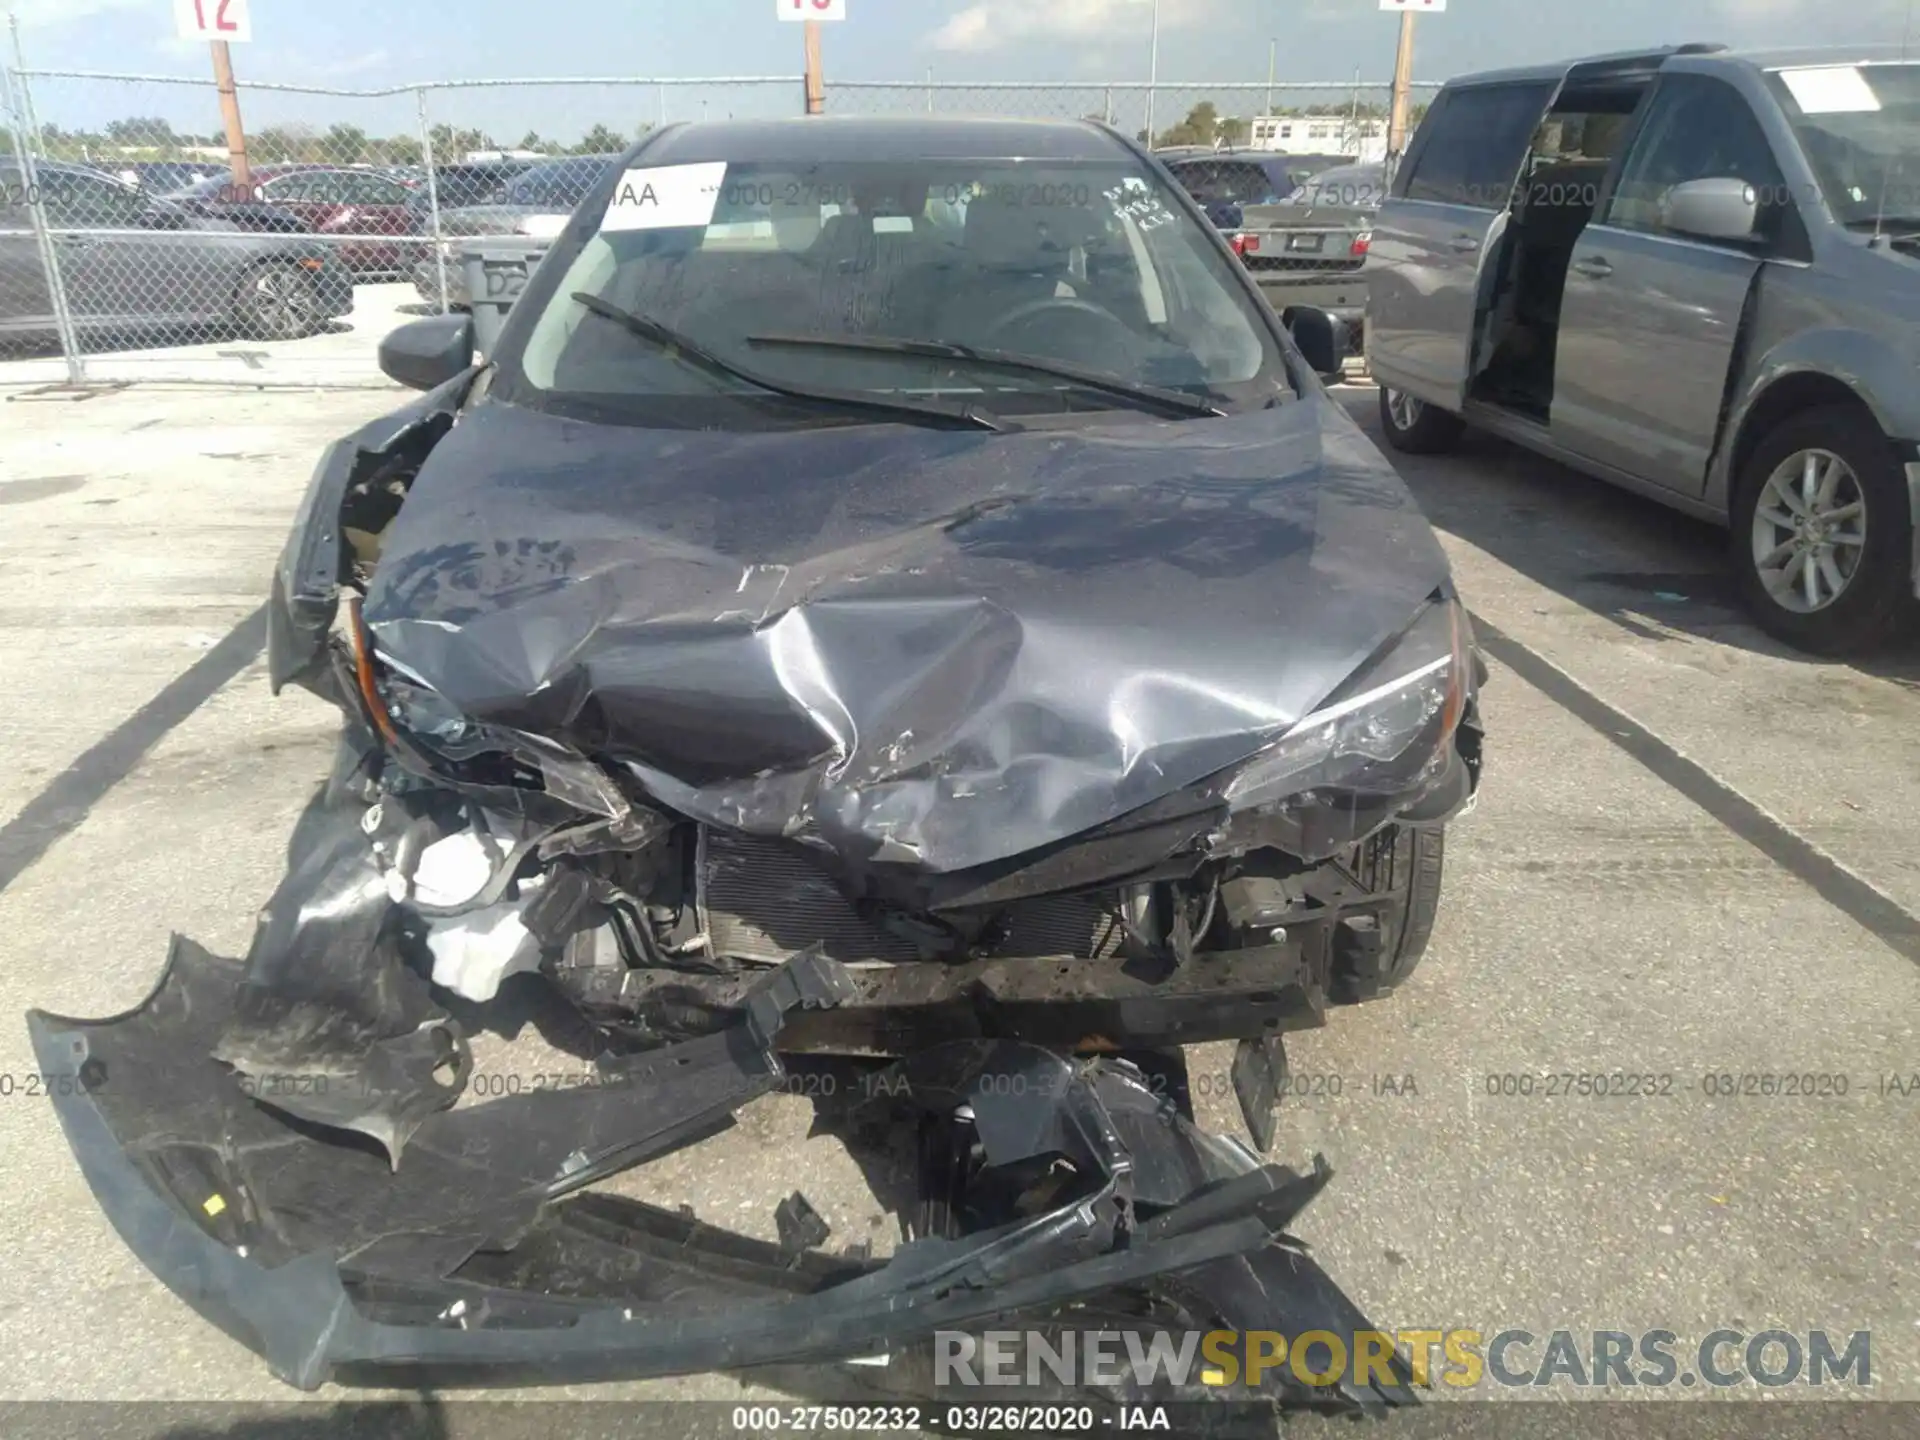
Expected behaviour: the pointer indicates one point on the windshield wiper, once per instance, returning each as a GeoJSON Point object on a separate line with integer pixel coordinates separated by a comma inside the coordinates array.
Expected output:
{"type": "Point", "coordinates": [1147, 397]}
{"type": "Point", "coordinates": [702, 358]}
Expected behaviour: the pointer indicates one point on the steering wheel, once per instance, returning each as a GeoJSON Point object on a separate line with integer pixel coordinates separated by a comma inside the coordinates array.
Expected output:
{"type": "Point", "coordinates": [1117, 331]}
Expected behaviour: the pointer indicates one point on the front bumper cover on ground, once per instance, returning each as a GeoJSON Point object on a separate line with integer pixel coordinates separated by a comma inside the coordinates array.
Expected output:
{"type": "Point", "coordinates": [476, 1260]}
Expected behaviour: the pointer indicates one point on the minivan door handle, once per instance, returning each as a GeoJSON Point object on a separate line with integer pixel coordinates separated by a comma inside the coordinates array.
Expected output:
{"type": "Point", "coordinates": [1594, 267]}
{"type": "Point", "coordinates": [1466, 244]}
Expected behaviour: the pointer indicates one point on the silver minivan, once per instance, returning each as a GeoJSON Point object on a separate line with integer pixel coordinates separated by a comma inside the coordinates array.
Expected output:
{"type": "Point", "coordinates": [1693, 273]}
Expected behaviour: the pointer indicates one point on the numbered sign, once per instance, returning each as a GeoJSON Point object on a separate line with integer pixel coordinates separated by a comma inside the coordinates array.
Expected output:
{"type": "Point", "coordinates": [811, 9]}
{"type": "Point", "coordinates": [212, 20]}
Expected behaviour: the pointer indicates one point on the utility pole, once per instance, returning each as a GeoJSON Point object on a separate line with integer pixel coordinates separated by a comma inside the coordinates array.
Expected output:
{"type": "Point", "coordinates": [1402, 85]}
{"type": "Point", "coordinates": [1273, 47]}
{"type": "Point", "coordinates": [230, 113]}
{"type": "Point", "coordinates": [1153, 71]}
{"type": "Point", "coordinates": [816, 87]}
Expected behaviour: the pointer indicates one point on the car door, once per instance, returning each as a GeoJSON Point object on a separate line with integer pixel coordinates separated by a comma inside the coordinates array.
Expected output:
{"type": "Point", "coordinates": [1434, 232]}
{"type": "Point", "coordinates": [25, 301]}
{"type": "Point", "coordinates": [303, 192]}
{"type": "Point", "coordinates": [112, 267]}
{"type": "Point", "coordinates": [1651, 317]}
{"type": "Point", "coordinates": [376, 206]}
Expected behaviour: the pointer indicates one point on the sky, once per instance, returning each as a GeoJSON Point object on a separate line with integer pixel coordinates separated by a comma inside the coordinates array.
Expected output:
{"type": "Point", "coordinates": [372, 44]}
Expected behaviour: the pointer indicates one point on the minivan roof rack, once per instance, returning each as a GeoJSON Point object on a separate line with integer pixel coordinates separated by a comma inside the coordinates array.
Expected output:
{"type": "Point", "coordinates": [1699, 47]}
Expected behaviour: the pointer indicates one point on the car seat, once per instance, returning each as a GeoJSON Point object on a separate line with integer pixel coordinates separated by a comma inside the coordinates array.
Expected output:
{"type": "Point", "coordinates": [1011, 255]}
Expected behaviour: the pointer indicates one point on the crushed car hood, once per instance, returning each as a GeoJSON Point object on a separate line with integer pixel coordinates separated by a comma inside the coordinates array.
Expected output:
{"type": "Point", "coordinates": [921, 646]}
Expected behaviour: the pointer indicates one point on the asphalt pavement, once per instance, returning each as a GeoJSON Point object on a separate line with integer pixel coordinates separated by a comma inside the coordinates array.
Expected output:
{"type": "Point", "coordinates": [1695, 855]}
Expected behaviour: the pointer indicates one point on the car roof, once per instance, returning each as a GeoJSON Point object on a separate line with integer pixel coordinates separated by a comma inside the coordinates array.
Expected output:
{"type": "Point", "coordinates": [1781, 59]}
{"type": "Point", "coordinates": [882, 138]}
{"type": "Point", "coordinates": [561, 162]}
{"type": "Point", "coordinates": [283, 168]}
{"type": "Point", "coordinates": [63, 167]}
{"type": "Point", "coordinates": [1233, 152]}
{"type": "Point", "coordinates": [1623, 62]}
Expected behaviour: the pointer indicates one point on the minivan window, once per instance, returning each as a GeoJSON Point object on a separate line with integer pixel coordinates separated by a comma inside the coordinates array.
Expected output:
{"type": "Point", "coordinates": [1697, 128]}
{"type": "Point", "coordinates": [1472, 144]}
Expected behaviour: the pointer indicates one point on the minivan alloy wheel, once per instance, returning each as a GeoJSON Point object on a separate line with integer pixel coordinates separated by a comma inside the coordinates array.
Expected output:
{"type": "Point", "coordinates": [1404, 408]}
{"type": "Point", "coordinates": [1809, 530]}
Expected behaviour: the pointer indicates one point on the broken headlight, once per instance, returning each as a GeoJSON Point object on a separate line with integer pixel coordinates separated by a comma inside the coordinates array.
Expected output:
{"type": "Point", "coordinates": [400, 702]}
{"type": "Point", "coordinates": [1385, 730]}
{"type": "Point", "coordinates": [425, 715]}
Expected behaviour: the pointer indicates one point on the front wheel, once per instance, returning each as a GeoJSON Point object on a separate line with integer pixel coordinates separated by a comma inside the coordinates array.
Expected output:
{"type": "Point", "coordinates": [1375, 951]}
{"type": "Point", "coordinates": [277, 302]}
{"type": "Point", "coordinates": [1823, 533]}
{"type": "Point", "coordinates": [1416, 427]}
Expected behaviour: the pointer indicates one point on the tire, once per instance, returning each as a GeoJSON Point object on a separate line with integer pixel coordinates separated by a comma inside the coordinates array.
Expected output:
{"type": "Point", "coordinates": [277, 302]}
{"type": "Point", "coordinates": [1426, 431]}
{"type": "Point", "coordinates": [1873, 598]}
{"type": "Point", "coordinates": [1375, 951]}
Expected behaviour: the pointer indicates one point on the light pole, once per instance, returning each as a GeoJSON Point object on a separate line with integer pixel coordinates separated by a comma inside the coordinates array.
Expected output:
{"type": "Point", "coordinates": [1272, 47]}
{"type": "Point", "coordinates": [1402, 86]}
{"type": "Point", "coordinates": [1153, 71]}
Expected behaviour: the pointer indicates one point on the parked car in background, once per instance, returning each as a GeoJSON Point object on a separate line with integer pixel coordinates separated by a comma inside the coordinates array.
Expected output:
{"type": "Point", "coordinates": [459, 187]}
{"type": "Point", "coordinates": [130, 262]}
{"type": "Point", "coordinates": [1225, 181]}
{"type": "Point", "coordinates": [1694, 273]}
{"type": "Point", "coordinates": [533, 206]}
{"type": "Point", "coordinates": [163, 177]}
{"type": "Point", "coordinates": [334, 201]}
{"type": "Point", "coordinates": [1310, 248]}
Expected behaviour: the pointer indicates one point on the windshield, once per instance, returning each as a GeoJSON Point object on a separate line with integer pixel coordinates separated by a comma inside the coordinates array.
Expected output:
{"type": "Point", "coordinates": [1860, 128]}
{"type": "Point", "coordinates": [1091, 266]}
{"type": "Point", "coordinates": [559, 186]}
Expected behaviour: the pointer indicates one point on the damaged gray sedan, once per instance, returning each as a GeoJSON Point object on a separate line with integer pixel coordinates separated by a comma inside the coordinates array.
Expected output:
{"type": "Point", "coordinates": [894, 599]}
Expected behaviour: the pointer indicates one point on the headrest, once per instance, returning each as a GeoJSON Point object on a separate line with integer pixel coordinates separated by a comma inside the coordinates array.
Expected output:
{"type": "Point", "coordinates": [1003, 234]}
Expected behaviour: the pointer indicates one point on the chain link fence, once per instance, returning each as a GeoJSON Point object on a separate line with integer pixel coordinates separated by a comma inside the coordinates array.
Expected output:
{"type": "Point", "coordinates": [134, 246]}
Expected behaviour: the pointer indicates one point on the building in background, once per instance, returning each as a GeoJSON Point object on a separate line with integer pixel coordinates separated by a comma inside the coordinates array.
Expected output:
{"type": "Point", "coordinates": [1364, 137]}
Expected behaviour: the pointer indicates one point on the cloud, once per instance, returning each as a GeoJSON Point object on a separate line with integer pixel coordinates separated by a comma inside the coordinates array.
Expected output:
{"type": "Point", "coordinates": [993, 24]}
{"type": "Point", "coordinates": [353, 64]}
{"type": "Point", "coordinates": [46, 14]}
{"type": "Point", "coordinates": [1818, 14]}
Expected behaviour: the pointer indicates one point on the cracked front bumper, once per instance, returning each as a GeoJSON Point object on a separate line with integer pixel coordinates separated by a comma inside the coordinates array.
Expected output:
{"type": "Point", "coordinates": [482, 1259]}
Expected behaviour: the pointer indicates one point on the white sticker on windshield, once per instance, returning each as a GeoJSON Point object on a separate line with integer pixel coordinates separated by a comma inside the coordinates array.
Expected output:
{"type": "Point", "coordinates": [666, 197]}
{"type": "Point", "coordinates": [1831, 90]}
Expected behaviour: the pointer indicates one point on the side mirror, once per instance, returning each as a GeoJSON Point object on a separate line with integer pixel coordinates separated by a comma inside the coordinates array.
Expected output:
{"type": "Point", "coordinates": [426, 354]}
{"type": "Point", "coordinates": [1322, 339]}
{"type": "Point", "coordinates": [1721, 208]}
